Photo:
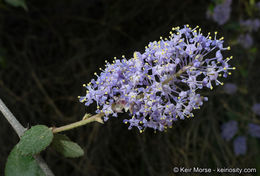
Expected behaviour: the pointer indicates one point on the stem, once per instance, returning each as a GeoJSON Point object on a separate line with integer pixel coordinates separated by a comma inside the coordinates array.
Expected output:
{"type": "Point", "coordinates": [176, 74]}
{"type": "Point", "coordinates": [19, 129]}
{"type": "Point", "coordinates": [198, 57]}
{"type": "Point", "coordinates": [84, 121]}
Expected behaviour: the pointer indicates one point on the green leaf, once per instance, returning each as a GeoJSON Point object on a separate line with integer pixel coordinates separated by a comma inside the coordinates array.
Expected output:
{"type": "Point", "coordinates": [17, 3]}
{"type": "Point", "coordinates": [66, 147]}
{"type": "Point", "coordinates": [35, 140]}
{"type": "Point", "coordinates": [24, 165]}
{"type": "Point", "coordinates": [211, 8]}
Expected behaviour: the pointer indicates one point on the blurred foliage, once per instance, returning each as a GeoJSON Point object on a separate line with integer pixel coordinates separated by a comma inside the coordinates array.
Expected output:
{"type": "Point", "coordinates": [17, 3]}
{"type": "Point", "coordinates": [49, 51]}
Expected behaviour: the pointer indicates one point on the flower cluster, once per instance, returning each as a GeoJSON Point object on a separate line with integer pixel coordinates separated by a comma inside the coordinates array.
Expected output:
{"type": "Point", "coordinates": [160, 85]}
{"type": "Point", "coordinates": [221, 12]}
{"type": "Point", "coordinates": [256, 108]}
{"type": "Point", "coordinates": [254, 130]}
{"type": "Point", "coordinates": [230, 129]}
{"type": "Point", "coordinates": [245, 40]}
{"type": "Point", "coordinates": [248, 26]}
{"type": "Point", "coordinates": [240, 146]}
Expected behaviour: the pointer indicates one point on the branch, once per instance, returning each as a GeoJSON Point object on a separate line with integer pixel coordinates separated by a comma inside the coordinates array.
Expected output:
{"type": "Point", "coordinates": [19, 129]}
{"type": "Point", "coordinates": [84, 121]}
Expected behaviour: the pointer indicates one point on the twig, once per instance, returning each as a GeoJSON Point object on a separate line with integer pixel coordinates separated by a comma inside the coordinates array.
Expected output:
{"type": "Point", "coordinates": [19, 129]}
{"type": "Point", "coordinates": [43, 165]}
{"type": "Point", "coordinates": [84, 121]}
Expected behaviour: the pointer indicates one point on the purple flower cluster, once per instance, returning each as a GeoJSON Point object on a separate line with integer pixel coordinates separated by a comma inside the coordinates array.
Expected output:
{"type": "Point", "coordinates": [254, 130]}
{"type": "Point", "coordinates": [249, 25]}
{"type": "Point", "coordinates": [245, 40]}
{"type": "Point", "coordinates": [221, 12]}
{"type": "Point", "coordinates": [256, 108]}
{"type": "Point", "coordinates": [160, 85]}
{"type": "Point", "coordinates": [230, 129]}
{"type": "Point", "coordinates": [240, 146]}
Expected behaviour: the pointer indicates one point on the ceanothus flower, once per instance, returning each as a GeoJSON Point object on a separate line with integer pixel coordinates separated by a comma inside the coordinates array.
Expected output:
{"type": "Point", "coordinates": [250, 24]}
{"type": "Point", "coordinates": [256, 108]}
{"type": "Point", "coordinates": [160, 85]}
{"type": "Point", "coordinates": [254, 130]}
{"type": "Point", "coordinates": [229, 129]}
{"type": "Point", "coordinates": [221, 12]}
{"type": "Point", "coordinates": [245, 40]}
{"type": "Point", "coordinates": [239, 145]}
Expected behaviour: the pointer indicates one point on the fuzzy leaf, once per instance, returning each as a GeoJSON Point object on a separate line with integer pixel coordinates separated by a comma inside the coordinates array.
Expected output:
{"type": "Point", "coordinates": [35, 140]}
{"type": "Point", "coordinates": [18, 164]}
{"type": "Point", "coordinates": [66, 147]}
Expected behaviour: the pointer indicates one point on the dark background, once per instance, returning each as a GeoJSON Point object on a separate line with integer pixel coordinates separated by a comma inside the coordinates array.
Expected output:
{"type": "Point", "coordinates": [48, 52]}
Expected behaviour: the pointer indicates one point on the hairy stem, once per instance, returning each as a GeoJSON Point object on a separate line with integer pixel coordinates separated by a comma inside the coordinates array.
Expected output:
{"type": "Point", "coordinates": [84, 121]}
{"type": "Point", "coordinates": [19, 129]}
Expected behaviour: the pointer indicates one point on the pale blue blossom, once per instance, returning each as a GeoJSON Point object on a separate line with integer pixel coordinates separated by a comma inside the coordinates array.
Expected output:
{"type": "Point", "coordinates": [150, 85]}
